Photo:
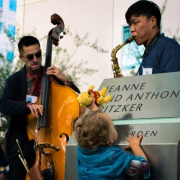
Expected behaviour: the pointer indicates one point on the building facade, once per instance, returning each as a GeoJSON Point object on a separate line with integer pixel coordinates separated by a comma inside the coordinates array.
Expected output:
{"type": "Point", "coordinates": [7, 27]}
{"type": "Point", "coordinates": [103, 20]}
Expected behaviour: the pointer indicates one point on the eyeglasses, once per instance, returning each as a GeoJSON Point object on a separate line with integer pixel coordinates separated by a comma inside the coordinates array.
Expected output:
{"type": "Point", "coordinates": [31, 56]}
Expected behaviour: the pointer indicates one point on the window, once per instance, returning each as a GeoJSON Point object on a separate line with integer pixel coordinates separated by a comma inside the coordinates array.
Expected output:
{"type": "Point", "coordinates": [11, 30]}
{"type": "Point", "coordinates": [0, 27]}
{"type": "Point", "coordinates": [12, 5]}
{"type": "Point", "coordinates": [10, 55]}
{"type": "Point", "coordinates": [131, 53]}
{"type": "Point", "coordinates": [1, 3]}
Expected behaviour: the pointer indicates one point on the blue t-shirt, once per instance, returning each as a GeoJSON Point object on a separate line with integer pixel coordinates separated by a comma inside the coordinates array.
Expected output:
{"type": "Point", "coordinates": [106, 163]}
{"type": "Point", "coordinates": [163, 56]}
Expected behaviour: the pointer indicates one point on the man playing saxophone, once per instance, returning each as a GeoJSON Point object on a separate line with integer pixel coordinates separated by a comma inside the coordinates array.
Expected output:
{"type": "Point", "coordinates": [162, 54]}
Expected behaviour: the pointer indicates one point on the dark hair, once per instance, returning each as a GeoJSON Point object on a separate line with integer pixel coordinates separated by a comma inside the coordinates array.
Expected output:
{"type": "Point", "coordinates": [146, 8]}
{"type": "Point", "coordinates": [92, 130]}
{"type": "Point", "coordinates": [27, 41]}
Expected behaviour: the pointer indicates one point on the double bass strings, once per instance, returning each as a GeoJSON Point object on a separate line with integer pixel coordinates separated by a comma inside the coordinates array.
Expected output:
{"type": "Point", "coordinates": [21, 156]}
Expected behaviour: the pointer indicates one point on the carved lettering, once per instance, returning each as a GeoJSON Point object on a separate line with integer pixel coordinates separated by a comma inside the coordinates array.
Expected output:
{"type": "Point", "coordinates": [154, 133]}
{"type": "Point", "coordinates": [118, 98]}
{"type": "Point", "coordinates": [111, 107]}
{"type": "Point", "coordinates": [133, 133]}
{"type": "Point", "coordinates": [142, 86]}
{"type": "Point", "coordinates": [125, 87]}
{"type": "Point", "coordinates": [116, 110]}
{"type": "Point", "coordinates": [139, 107]}
{"type": "Point", "coordinates": [134, 86]}
{"type": "Point", "coordinates": [166, 94]}
{"type": "Point", "coordinates": [132, 107]}
{"type": "Point", "coordinates": [130, 97]}
{"type": "Point", "coordinates": [117, 89]}
{"type": "Point", "coordinates": [138, 96]}
{"type": "Point", "coordinates": [145, 133]}
{"type": "Point", "coordinates": [148, 94]}
{"type": "Point", "coordinates": [139, 133]}
{"type": "Point", "coordinates": [155, 95]}
{"type": "Point", "coordinates": [111, 89]}
{"type": "Point", "coordinates": [124, 108]}
{"type": "Point", "coordinates": [173, 93]}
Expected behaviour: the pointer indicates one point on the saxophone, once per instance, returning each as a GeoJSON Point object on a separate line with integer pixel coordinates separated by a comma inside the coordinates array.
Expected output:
{"type": "Point", "coordinates": [115, 66]}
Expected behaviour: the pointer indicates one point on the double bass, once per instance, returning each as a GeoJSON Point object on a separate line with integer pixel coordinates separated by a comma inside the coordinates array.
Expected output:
{"type": "Point", "coordinates": [52, 130]}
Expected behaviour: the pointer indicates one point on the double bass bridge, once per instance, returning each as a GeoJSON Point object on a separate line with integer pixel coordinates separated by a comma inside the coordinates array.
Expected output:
{"type": "Point", "coordinates": [41, 147]}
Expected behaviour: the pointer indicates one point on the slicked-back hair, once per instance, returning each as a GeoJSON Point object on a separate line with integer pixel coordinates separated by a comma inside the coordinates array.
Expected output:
{"type": "Point", "coordinates": [145, 8]}
{"type": "Point", "coordinates": [92, 131]}
{"type": "Point", "coordinates": [27, 41]}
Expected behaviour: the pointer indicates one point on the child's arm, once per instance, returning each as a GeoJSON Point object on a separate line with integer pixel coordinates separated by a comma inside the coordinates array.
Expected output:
{"type": "Point", "coordinates": [93, 106]}
{"type": "Point", "coordinates": [134, 144]}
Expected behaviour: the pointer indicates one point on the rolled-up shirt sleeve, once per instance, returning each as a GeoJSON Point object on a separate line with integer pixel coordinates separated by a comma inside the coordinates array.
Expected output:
{"type": "Point", "coordinates": [130, 164]}
{"type": "Point", "coordinates": [138, 166]}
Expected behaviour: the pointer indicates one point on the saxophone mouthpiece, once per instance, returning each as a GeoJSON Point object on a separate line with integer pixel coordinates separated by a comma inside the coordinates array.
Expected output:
{"type": "Point", "coordinates": [130, 39]}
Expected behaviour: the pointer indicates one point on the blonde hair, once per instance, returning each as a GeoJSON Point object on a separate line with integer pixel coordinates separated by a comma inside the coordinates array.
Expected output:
{"type": "Point", "coordinates": [92, 130]}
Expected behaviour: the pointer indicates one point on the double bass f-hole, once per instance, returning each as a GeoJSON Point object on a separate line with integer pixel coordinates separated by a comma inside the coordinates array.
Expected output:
{"type": "Point", "coordinates": [67, 137]}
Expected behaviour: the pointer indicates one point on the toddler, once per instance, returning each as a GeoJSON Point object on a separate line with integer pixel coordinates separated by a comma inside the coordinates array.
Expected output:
{"type": "Point", "coordinates": [97, 159]}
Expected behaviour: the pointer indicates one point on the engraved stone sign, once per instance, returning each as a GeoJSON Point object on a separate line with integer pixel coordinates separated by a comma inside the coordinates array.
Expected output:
{"type": "Point", "coordinates": [150, 96]}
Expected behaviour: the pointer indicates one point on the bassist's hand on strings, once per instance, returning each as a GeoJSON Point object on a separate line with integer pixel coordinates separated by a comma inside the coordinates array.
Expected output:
{"type": "Point", "coordinates": [53, 70]}
{"type": "Point", "coordinates": [35, 109]}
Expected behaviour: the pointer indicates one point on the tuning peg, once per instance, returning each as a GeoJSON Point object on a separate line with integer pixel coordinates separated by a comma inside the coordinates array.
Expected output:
{"type": "Point", "coordinates": [61, 37]}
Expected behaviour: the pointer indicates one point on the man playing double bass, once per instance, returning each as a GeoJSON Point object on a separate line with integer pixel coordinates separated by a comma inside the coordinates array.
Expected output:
{"type": "Point", "coordinates": [21, 87]}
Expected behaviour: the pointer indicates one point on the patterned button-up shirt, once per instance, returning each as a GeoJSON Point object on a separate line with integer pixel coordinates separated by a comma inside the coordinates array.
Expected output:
{"type": "Point", "coordinates": [34, 83]}
{"type": "Point", "coordinates": [162, 55]}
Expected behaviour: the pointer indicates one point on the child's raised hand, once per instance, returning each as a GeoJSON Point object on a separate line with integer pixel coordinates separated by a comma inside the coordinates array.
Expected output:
{"type": "Point", "coordinates": [93, 106]}
{"type": "Point", "coordinates": [134, 141]}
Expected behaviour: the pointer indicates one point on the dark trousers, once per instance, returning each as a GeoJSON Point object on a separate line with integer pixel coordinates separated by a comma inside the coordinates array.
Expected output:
{"type": "Point", "coordinates": [16, 169]}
